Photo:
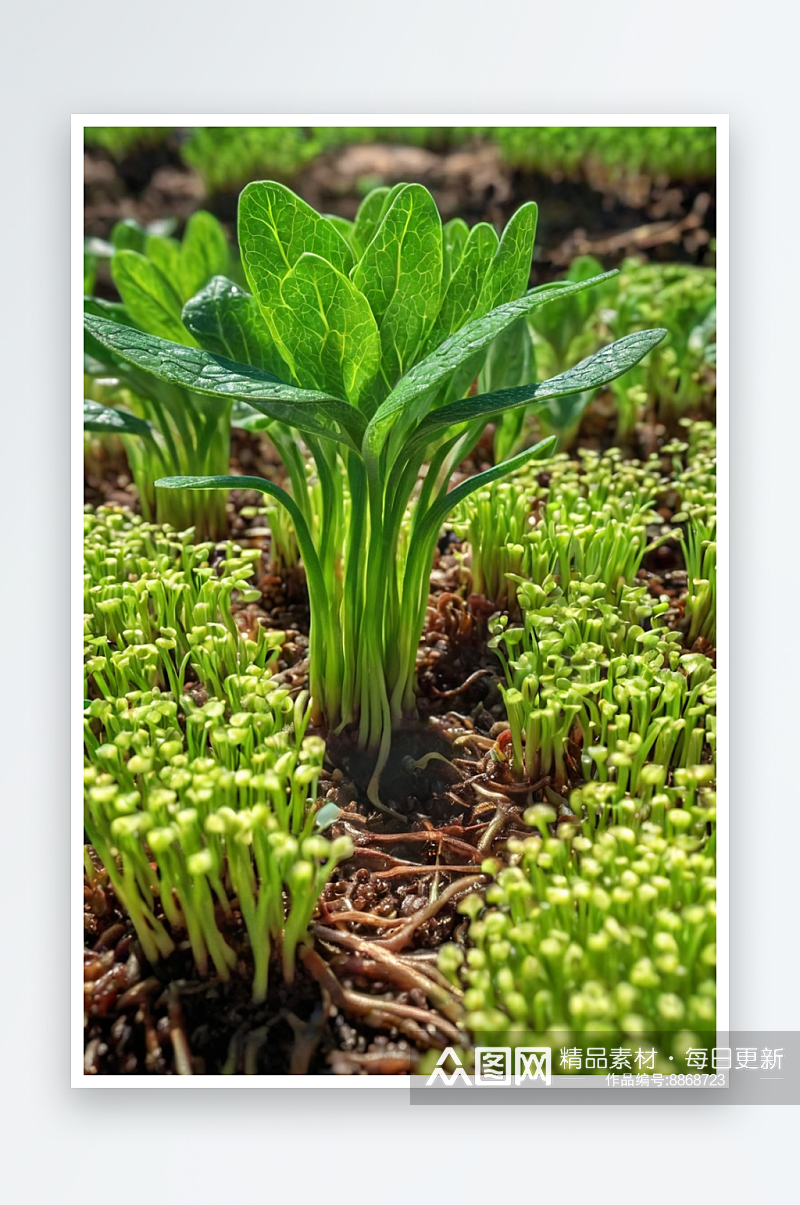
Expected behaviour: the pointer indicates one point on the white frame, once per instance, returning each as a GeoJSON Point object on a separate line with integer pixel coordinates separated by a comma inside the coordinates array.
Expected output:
{"type": "Point", "coordinates": [79, 121]}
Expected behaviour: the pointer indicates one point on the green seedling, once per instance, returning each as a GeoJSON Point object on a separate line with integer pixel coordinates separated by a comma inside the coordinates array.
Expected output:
{"type": "Point", "coordinates": [201, 806]}
{"type": "Point", "coordinates": [587, 680]}
{"type": "Point", "coordinates": [210, 816]}
{"type": "Point", "coordinates": [165, 429]}
{"type": "Point", "coordinates": [227, 157]}
{"type": "Point", "coordinates": [569, 517]}
{"type": "Point", "coordinates": [604, 930]}
{"type": "Point", "coordinates": [613, 152]}
{"type": "Point", "coordinates": [155, 607]}
{"type": "Point", "coordinates": [680, 378]}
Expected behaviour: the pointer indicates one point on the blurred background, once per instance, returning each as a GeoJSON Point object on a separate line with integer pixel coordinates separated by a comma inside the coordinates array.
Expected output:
{"type": "Point", "coordinates": [611, 192]}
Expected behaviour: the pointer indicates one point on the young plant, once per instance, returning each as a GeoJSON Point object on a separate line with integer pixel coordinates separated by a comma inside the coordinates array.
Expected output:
{"type": "Point", "coordinates": [680, 377]}
{"type": "Point", "coordinates": [165, 428]}
{"type": "Point", "coordinates": [197, 805]}
{"type": "Point", "coordinates": [119, 141]}
{"type": "Point", "coordinates": [695, 474]}
{"type": "Point", "coordinates": [588, 685]}
{"type": "Point", "coordinates": [494, 521]}
{"type": "Point", "coordinates": [381, 326]}
{"type": "Point", "coordinates": [700, 556]}
{"type": "Point", "coordinates": [155, 607]}
{"type": "Point", "coordinates": [201, 828]}
{"type": "Point", "coordinates": [226, 157]}
{"type": "Point", "coordinates": [560, 338]}
{"type": "Point", "coordinates": [584, 516]}
{"type": "Point", "coordinates": [608, 930]}
{"type": "Point", "coordinates": [612, 153]}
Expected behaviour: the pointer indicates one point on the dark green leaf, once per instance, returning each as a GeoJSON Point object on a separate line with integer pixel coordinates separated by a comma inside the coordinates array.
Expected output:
{"type": "Point", "coordinates": [604, 366]}
{"type": "Point", "coordinates": [113, 310]}
{"type": "Point", "coordinates": [108, 420]}
{"type": "Point", "coordinates": [309, 411]}
{"type": "Point", "coordinates": [420, 381]}
{"type": "Point", "coordinates": [226, 321]}
{"type": "Point", "coordinates": [97, 358]}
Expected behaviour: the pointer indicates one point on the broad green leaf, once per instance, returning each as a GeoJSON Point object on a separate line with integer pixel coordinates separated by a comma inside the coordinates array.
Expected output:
{"type": "Point", "coordinates": [96, 352]}
{"type": "Point", "coordinates": [389, 199]}
{"type": "Point", "coordinates": [454, 239]}
{"type": "Point", "coordinates": [368, 219]}
{"type": "Point", "coordinates": [165, 253]}
{"type": "Point", "coordinates": [464, 288]}
{"type": "Point", "coordinates": [226, 321]}
{"type": "Point", "coordinates": [204, 253]}
{"type": "Point", "coordinates": [400, 274]}
{"type": "Point", "coordinates": [311, 412]}
{"type": "Point", "coordinates": [275, 229]}
{"type": "Point", "coordinates": [108, 420]}
{"type": "Point", "coordinates": [128, 235]}
{"type": "Point", "coordinates": [420, 381]}
{"type": "Point", "coordinates": [510, 269]}
{"type": "Point", "coordinates": [148, 296]}
{"type": "Point", "coordinates": [604, 366]}
{"type": "Point", "coordinates": [325, 330]}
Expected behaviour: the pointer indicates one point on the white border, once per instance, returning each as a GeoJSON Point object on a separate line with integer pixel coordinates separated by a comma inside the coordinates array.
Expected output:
{"type": "Point", "coordinates": [720, 121]}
